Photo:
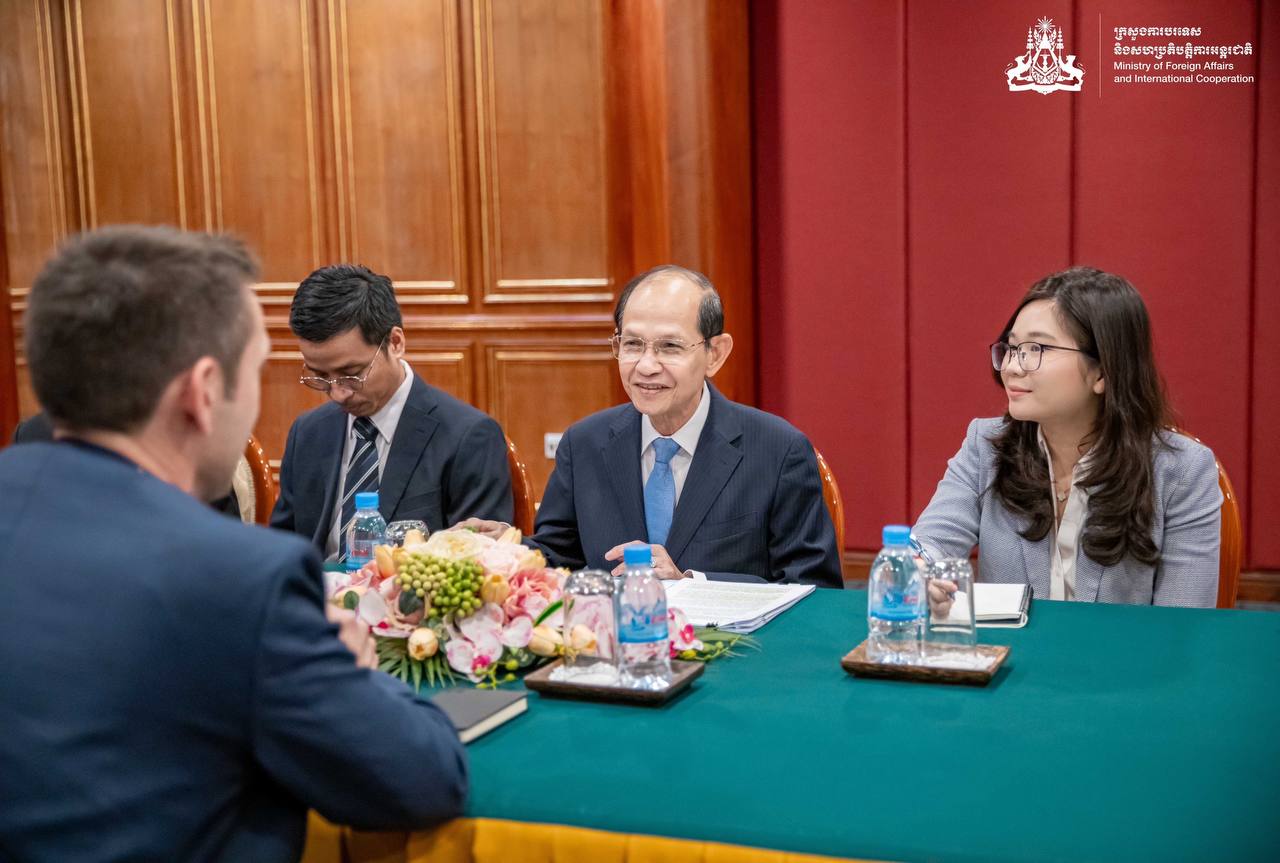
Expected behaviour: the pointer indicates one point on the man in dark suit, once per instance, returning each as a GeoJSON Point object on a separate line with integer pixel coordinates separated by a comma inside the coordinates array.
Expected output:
{"type": "Point", "coordinates": [172, 689]}
{"type": "Point", "coordinates": [428, 455]}
{"type": "Point", "coordinates": [720, 490]}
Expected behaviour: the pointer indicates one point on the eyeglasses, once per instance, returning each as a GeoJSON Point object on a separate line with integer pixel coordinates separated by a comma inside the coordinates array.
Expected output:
{"type": "Point", "coordinates": [350, 383]}
{"type": "Point", "coordinates": [1029, 354]}
{"type": "Point", "coordinates": [633, 348]}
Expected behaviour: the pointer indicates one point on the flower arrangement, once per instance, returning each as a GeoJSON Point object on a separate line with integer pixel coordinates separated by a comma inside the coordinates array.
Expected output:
{"type": "Point", "coordinates": [462, 604]}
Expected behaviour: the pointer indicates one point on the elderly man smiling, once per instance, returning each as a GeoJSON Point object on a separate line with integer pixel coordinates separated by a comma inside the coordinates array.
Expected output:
{"type": "Point", "coordinates": [720, 490]}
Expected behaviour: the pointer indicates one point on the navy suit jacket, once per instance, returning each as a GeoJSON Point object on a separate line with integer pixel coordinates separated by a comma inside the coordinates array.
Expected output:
{"type": "Point", "coordinates": [448, 462]}
{"type": "Point", "coordinates": [751, 508]}
{"type": "Point", "coordinates": [171, 689]}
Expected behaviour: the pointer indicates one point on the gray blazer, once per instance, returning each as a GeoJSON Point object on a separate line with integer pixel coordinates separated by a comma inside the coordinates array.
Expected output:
{"type": "Point", "coordinates": [965, 512]}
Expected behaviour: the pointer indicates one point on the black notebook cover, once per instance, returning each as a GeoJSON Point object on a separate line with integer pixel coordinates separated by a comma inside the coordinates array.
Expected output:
{"type": "Point", "coordinates": [476, 711]}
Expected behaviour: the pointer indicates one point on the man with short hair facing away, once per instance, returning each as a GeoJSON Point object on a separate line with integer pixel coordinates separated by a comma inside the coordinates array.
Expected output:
{"type": "Point", "coordinates": [720, 490]}
{"type": "Point", "coordinates": [428, 455]}
{"type": "Point", "coordinates": [172, 689]}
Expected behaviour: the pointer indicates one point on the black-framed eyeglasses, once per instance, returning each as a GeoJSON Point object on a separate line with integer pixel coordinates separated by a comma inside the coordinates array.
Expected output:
{"type": "Point", "coordinates": [350, 383]}
{"type": "Point", "coordinates": [633, 347]}
{"type": "Point", "coordinates": [1030, 354]}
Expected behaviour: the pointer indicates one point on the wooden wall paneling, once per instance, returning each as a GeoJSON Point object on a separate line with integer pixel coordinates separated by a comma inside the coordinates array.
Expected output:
{"type": "Point", "coordinates": [37, 177]}
{"type": "Point", "coordinates": [540, 134]}
{"type": "Point", "coordinates": [31, 119]}
{"type": "Point", "coordinates": [637, 136]}
{"type": "Point", "coordinates": [679, 122]}
{"type": "Point", "coordinates": [446, 364]}
{"type": "Point", "coordinates": [709, 154]}
{"type": "Point", "coordinates": [545, 385]}
{"type": "Point", "coordinates": [259, 126]}
{"type": "Point", "coordinates": [401, 91]}
{"type": "Point", "coordinates": [125, 111]}
{"type": "Point", "coordinates": [9, 413]}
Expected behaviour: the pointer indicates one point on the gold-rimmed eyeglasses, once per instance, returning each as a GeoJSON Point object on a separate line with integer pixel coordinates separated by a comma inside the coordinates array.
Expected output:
{"type": "Point", "coordinates": [350, 383]}
{"type": "Point", "coordinates": [633, 347]}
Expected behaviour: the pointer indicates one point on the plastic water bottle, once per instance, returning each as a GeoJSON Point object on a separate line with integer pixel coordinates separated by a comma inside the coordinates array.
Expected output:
{"type": "Point", "coordinates": [895, 600]}
{"type": "Point", "coordinates": [367, 529]}
{"type": "Point", "coordinates": [640, 608]}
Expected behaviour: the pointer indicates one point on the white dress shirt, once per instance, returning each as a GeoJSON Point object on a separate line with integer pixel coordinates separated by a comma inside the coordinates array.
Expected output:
{"type": "Point", "coordinates": [686, 436]}
{"type": "Point", "coordinates": [386, 420]}
{"type": "Point", "coordinates": [1066, 535]}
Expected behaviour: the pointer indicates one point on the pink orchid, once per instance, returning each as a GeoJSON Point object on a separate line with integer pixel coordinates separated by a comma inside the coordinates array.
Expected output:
{"type": "Point", "coordinates": [532, 590]}
{"type": "Point", "coordinates": [478, 641]}
{"type": "Point", "coordinates": [680, 631]}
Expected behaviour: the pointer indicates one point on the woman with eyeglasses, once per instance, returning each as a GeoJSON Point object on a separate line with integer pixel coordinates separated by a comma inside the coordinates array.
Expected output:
{"type": "Point", "coordinates": [1080, 489]}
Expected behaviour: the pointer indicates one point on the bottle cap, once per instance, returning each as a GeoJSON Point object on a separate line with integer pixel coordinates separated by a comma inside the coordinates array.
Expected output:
{"type": "Point", "coordinates": [896, 534]}
{"type": "Point", "coordinates": [637, 555]}
{"type": "Point", "coordinates": [367, 500]}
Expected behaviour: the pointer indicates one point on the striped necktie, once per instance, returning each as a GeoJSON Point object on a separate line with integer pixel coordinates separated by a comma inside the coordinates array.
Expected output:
{"type": "Point", "coordinates": [660, 492]}
{"type": "Point", "coordinates": [362, 475]}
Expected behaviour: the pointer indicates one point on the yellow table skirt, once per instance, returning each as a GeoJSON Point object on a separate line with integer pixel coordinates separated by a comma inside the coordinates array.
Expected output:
{"type": "Point", "coordinates": [488, 840]}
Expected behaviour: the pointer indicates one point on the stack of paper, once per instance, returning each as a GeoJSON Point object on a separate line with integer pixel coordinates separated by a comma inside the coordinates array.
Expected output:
{"type": "Point", "coordinates": [733, 606]}
{"type": "Point", "coordinates": [1001, 605]}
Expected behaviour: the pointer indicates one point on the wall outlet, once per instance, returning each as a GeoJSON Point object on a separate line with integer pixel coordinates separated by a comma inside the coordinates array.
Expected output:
{"type": "Point", "coordinates": [550, 441]}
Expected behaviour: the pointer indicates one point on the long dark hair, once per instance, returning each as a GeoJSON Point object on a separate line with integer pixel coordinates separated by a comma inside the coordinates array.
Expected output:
{"type": "Point", "coordinates": [1108, 320]}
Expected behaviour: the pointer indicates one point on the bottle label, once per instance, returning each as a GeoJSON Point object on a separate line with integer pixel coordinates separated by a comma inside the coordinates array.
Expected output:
{"type": "Point", "coordinates": [641, 625]}
{"type": "Point", "coordinates": [360, 553]}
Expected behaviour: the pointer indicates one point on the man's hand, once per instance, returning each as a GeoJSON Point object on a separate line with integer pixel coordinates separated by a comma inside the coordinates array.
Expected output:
{"type": "Point", "coordinates": [491, 529]}
{"type": "Point", "coordinates": [354, 634]}
{"type": "Point", "coordinates": [942, 595]}
{"type": "Point", "coordinates": [663, 566]}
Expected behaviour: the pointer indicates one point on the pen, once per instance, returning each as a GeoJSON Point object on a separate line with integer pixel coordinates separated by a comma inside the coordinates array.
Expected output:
{"type": "Point", "coordinates": [919, 549]}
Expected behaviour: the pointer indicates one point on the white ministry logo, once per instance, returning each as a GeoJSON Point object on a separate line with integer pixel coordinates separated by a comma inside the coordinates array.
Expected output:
{"type": "Point", "coordinates": [1042, 68]}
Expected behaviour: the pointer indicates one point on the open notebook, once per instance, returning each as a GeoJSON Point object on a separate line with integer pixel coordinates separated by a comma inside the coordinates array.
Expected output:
{"type": "Point", "coordinates": [1001, 605]}
{"type": "Point", "coordinates": [733, 606]}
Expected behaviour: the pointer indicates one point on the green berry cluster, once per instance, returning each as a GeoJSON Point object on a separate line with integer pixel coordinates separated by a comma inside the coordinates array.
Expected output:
{"type": "Point", "coordinates": [449, 589]}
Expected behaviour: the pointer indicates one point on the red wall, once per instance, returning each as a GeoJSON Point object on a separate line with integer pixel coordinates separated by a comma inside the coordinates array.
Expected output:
{"type": "Point", "coordinates": [905, 200]}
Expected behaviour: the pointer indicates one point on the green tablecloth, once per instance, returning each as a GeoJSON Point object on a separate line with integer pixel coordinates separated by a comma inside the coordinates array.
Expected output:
{"type": "Point", "coordinates": [1112, 733]}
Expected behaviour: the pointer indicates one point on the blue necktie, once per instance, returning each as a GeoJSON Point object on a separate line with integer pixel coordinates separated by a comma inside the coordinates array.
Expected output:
{"type": "Point", "coordinates": [362, 475]}
{"type": "Point", "coordinates": [660, 492]}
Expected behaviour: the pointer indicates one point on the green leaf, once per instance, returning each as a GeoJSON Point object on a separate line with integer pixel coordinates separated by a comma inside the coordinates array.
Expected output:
{"type": "Point", "coordinates": [548, 611]}
{"type": "Point", "coordinates": [417, 676]}
{"type": "Point", "coordinates": [350, 600]}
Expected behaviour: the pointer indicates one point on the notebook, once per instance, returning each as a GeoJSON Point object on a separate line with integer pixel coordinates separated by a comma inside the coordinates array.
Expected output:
{"type": "Point", "coordinates": [475, 712]}
{"type": "Point", "coordinates": [1001, 605]}
{"type": "Point", "coordinates": [733, 606]}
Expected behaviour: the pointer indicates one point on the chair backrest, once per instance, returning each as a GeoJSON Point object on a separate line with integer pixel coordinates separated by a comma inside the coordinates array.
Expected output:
{"type": "Point", "coordinates": [1231, 547]}
{"type": "Point", "coordinates": [264, 487]}
{"type": "Point", "coordinates": [1231, 541]}
{"type": "Point", "coordinates": [831, 497]}
{"type": "Point", "coordinates": [521, 489]}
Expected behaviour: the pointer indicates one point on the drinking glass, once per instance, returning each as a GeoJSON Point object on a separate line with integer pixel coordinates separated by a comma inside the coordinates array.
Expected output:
{"type": "Point", "coordinates": [397, 530]}
{"type": "Point", "coordinates": [950, 636]}
{"type": "Point", "coordinates": [590, 635]}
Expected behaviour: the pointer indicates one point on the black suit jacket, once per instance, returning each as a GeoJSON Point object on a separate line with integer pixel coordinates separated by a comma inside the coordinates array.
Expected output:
{"type": "Point", "coordinates": [171, 689]}
{"type": "Point", "coordinates": [751, 508]}
{"type": "Point", "coordinates": [448, 462]}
